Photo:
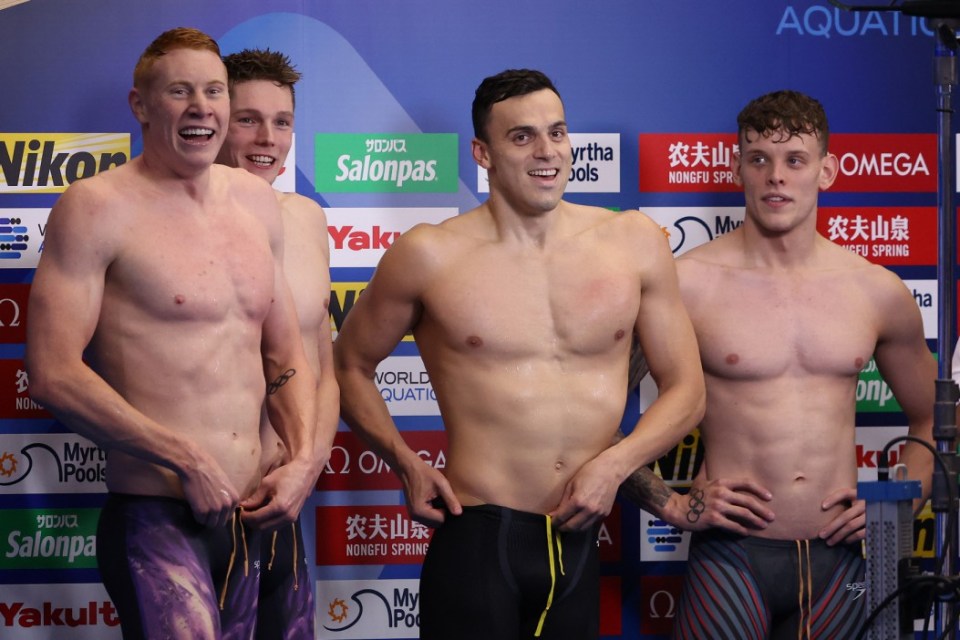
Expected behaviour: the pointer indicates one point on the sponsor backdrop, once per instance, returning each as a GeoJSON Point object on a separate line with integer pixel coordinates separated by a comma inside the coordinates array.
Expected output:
{"type": "Point", "coordinates": [383, 129]}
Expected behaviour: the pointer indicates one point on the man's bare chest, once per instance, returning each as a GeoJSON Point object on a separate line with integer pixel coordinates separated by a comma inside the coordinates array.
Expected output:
{"type": "Point", "coordinates": [809, 328]}
{"type": "Point", "coordinates": [582, 311]}
{"type": "Point", "coordinates": [204, 273]}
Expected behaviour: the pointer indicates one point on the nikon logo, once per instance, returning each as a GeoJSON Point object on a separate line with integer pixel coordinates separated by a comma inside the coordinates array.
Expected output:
{"type": "Point", "coordinates": [50, 162]}
{"type": "Point", "coordinates": [393, 163]}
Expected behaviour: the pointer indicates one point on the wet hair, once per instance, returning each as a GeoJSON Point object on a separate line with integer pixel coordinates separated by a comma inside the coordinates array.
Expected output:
{"type": "Point", "coordinates": [261, 64]}
{"type": "Point", "coordinates": [787, 113]}
{"type": "Point", "coordinates": [506, 84]}
{"type": "Point", "coordinates": [178, 38]}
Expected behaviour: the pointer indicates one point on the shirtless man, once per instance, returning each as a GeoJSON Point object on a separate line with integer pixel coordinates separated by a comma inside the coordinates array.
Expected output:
{"type": "Point", "coordinates": [785, 321]}
{"type": "Point", "coordinates": [159, 312]}
{"type": "Point", "coordinates": [258, 140]}
{"type": "Point", "coordinates": [523, 310]}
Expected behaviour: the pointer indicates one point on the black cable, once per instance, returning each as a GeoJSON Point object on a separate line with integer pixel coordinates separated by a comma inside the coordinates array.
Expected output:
{"type": "Point", "coordinates": [944, 585]}
{"type": "Point", "coordinates": [951, 488]}
{"type": "Point", "coordinates": [849, 7]}
{"type": "Point", "coordinates": [941, 586]}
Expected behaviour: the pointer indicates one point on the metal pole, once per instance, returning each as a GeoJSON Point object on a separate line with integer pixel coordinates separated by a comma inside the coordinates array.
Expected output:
{"type": "Point", "coordinates": [945, 72]}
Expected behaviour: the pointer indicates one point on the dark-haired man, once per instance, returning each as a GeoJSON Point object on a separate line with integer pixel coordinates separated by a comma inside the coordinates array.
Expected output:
{"type": "Point", "coordinates": [258, 140]}
{"type": "Point", "coordinates": [523, 310]}
{"type": "Point", "coordinates": [785, 321]}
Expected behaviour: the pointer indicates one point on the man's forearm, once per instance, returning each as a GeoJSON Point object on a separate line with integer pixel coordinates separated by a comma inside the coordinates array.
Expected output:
{"type": "Point", "coordinates": [292, 409]}
{"type": "Point", "coordinates": [647, 490]}
{"type": "Point", "coordinates": [328, 416]}
{"type": "Point", "coordinates": [644, 488]}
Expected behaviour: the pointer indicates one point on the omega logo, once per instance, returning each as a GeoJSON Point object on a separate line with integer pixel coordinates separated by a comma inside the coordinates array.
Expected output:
{"type": "Point", "coordinates": [666, 601]}
{"type": "Point", "coordinates": [15, 320]}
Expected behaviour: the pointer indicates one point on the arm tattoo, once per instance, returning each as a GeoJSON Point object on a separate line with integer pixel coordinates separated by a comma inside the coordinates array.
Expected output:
{"type": "Point", "coordinates": [281, 380]}
{"type": "Point", "coordinates": [646, 489]}
{"type": "Point", "coordinates": [697, 505]}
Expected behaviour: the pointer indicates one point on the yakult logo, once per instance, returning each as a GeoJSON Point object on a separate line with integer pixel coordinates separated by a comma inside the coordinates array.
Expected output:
{"type": "Point", "coordinates": [360, 236]}
{"type": "Point", "coordinates": [75, 611]}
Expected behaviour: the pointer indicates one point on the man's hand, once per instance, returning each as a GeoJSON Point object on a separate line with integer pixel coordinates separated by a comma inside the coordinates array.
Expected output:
{"type": "Point", "coordinates": [209, 492]}
{"type": "Point", "coordinates": [737, 505]}
{"type": "Point", "coordinates": [425, 489]}
{"type": "Point", "coordinates": [280, 496]}
{"type": "Point", "coordinates": [587, 498]}
{"type": "Point", "coordinates": [850, 525]}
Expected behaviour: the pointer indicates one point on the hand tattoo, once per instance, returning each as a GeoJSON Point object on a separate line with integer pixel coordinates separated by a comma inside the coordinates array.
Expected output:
{"type": "Point", "coordinates": [281, 380]}
{"type": "Point", "coordinates": [697, 505]}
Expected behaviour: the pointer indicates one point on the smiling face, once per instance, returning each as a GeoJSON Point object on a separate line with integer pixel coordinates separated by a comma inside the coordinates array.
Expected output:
{"type": "Point", "coordinates": [527, 154]}
{"type": "Point", "coordinates": [261, 128]}
{"type": "Point", "coordinates": [183, 108]}
{"type": "Point", "coordinates": [782, 175]}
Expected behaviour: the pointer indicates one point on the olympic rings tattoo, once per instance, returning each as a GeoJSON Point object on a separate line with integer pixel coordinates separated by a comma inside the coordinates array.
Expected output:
{"type": "Point", "coordinates": [281, 380]}
{"type": "Point", "coordinates": [697, 505]}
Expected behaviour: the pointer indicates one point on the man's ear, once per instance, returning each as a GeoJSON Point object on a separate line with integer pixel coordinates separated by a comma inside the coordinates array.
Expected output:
{"type": "Point", "coordinates": [135, 100]}
{"type": "Point", "coordinates": [829, 171]}
{"type": "Point", "coordinates": [735, 168]}
{"type": "Point", "coordinates": [480, 152]}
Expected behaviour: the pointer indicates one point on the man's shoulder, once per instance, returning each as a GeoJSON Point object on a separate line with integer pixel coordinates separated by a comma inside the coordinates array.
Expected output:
{"type": "Point", "coordinates": [855, 266]}
{"type": "Point", "coordinates": [428, 245]}
{"type": "Point", "coordinates": [722, 249]}
{"type": "Point", "coordinates": [111, 190]}
{"type": "Point", "coordinates": [292, 203]}
{"type": "Point", "coordinates": [236, 178]}
{"type": "Point", "coordinates": [631, 225]}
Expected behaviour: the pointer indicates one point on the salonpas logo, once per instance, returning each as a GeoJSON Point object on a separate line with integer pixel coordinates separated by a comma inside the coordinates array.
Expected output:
{"type": "Point", "coordinates": [49, 539]}
{"type": "Point", "coordinates": [873, 393]}
{"type": "Point", "coordinates": [386, 163]}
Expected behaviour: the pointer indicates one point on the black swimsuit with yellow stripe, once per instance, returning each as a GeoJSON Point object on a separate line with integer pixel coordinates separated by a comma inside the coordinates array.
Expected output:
{"type": "Point", "coordinates": [495, 572]}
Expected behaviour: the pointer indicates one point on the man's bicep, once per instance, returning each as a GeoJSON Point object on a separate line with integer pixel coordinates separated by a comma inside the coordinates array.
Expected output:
{"type": "Point", "coordinates": [64, 312]}
{"type": "Point", "coordinates": [910, 371]}
{"type": "Point", "coordinates": [903, 358]}
{"type": "Point", "coordinates": [67, 289]}
{"type": "Point", "coordinates": [663, 325]}
{"type": "Point", "coordinates": [281, 341]}
{"type": "Point", "coordinates": [377, 322]}
{"type": "Point", "coordinates": [388, 308]}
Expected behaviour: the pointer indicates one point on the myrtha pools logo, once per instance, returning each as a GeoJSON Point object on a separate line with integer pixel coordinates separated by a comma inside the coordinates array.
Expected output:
{"type": "Point", "coordinates": [368, 609]}
{"type": "Point", "coordinates": [71, 462]}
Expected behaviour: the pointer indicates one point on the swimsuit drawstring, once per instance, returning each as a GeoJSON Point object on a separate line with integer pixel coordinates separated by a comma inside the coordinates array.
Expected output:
{"type": "Point", "coordinates": [273, 551]}
{"type": "Point", "coordinates": [553, 572]}
{"type": "Point", "coordinates": [808, 588]}
{"type": "Point", "coordinates": [296, 580]}
{"type": "Point", "coordinates": [273, 554]}
{"type": "Point", "coordinates": [233, 554]}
